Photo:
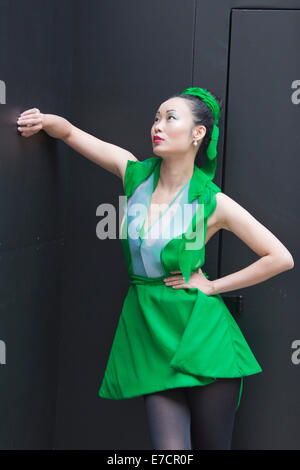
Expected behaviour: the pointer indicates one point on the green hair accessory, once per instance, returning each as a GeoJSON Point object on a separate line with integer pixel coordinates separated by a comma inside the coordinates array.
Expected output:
{"type": "Point", "coordinates": [209, 167]}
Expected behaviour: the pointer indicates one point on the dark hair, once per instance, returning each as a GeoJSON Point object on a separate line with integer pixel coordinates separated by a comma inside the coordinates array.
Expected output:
{"type": "Point", "coordinates": [202, 115]}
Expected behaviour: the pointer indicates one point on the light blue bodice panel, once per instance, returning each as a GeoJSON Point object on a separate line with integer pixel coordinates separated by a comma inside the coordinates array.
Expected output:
{"type": "Point", "coordinates": [146, 249]}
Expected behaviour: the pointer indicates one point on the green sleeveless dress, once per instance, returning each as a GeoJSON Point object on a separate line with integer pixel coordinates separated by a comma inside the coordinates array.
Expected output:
{"type": "Point", "coordinates": [168, 338]}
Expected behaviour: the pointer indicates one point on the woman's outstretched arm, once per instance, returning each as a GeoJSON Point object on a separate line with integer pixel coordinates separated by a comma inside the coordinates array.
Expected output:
{"type": "Point", "coordinates": [109, 156]}
{"type": "Point", "coordinates": [274, 256]}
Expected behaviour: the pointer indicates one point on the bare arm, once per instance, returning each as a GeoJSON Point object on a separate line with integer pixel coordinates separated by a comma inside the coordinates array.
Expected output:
{"type": "Point", "coordinates": [109, 156]}
{"type": "Point", "coordinates": [275, 258]}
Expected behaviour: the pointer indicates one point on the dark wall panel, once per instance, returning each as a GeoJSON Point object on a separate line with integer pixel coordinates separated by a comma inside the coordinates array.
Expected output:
{"type": "Point", "coordinates": [30, 288]}
{"type": "Point", "coordinates": [35, 67]}
{"type": "Point", "coordinates": [261, 174]}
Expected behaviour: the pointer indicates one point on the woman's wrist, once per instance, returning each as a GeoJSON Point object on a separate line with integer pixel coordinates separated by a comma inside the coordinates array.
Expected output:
{"type": "Point", "coordinates": [213, 288]}
{"type": "Point", "coordinates": [56, 126]}
{"type": "Point", "coordinates": [259, 271]}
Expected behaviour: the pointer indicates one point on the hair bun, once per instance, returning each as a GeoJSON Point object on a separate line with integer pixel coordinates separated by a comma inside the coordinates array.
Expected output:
{"type": "Point", "coordinates": [208, 99]}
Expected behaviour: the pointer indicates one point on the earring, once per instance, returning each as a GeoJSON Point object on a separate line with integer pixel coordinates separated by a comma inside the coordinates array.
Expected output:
{"type": "Point", "coordinates": [195, 143]}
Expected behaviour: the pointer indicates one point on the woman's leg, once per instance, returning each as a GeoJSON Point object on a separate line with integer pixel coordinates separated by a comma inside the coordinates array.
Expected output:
{"type": "Point", "coordinates": [213, 412]}
{"type": "Point", "coordinates": [169, 419]}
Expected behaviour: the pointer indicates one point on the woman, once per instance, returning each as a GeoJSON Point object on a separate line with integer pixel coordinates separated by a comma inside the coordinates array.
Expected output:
{"type": "Point", "coordinates": [176, 343]}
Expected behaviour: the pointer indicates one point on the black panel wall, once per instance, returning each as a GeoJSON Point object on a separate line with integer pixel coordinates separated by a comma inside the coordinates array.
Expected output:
{"type": "Point", "coordinates": [261, 173]}
{"type": "Point", "coordinates": [35, 66]}
{"type": "Point", "coordinates": [107, 66]}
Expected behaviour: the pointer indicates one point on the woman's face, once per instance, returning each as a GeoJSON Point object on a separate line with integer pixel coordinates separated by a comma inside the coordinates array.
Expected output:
{"type": "Point", "coordinates": [173, 122]}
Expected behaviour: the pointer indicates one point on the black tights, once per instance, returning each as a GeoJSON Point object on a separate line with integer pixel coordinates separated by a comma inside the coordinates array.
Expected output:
{"type": "Point", "coordinates": [199, 417]}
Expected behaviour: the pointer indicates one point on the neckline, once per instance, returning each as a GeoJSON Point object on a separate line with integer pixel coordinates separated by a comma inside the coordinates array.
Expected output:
{"type": "Point", "coordinates": [141, 232]}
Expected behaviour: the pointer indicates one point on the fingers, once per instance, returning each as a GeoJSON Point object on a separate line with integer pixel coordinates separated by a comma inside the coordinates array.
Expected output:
{"type": "Point", "coordinates": [29, 121]}
{"type": "Point", "coordinates": [174, 282]}
{"type": "Point", "coordinates": [28, 131]}
{"type": "Point", "coordinates": [29, 111]}
{"type": "Point", "coordinates": [177, 284]}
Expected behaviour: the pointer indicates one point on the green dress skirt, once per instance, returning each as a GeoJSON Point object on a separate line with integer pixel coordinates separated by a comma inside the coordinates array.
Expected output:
{"type": "Point", "coordinates": [166, 337]}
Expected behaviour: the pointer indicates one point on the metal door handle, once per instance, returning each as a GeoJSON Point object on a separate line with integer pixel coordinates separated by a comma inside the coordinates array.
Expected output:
{"type": "Point", "coordinates": [234, 303]}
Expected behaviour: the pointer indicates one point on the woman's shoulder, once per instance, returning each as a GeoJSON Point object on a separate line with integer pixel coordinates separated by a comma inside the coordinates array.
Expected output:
{"type": "Point", "coordinates": [137, 171]}
{"type": "Point", "coordinates": [140, 165]}
{"type": "Point", "coordinates": [226, 209]}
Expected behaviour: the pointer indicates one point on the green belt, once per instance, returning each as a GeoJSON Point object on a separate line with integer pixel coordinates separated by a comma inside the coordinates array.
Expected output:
{"type": "Point", "coordinates": [138, 279]}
